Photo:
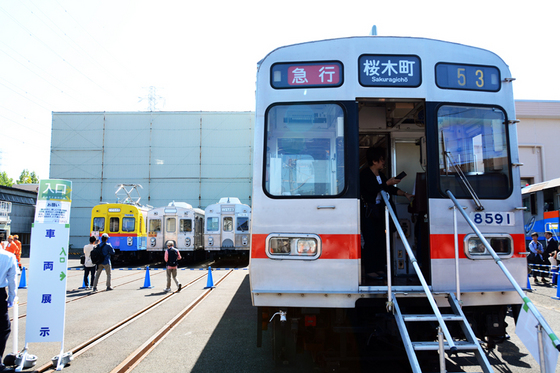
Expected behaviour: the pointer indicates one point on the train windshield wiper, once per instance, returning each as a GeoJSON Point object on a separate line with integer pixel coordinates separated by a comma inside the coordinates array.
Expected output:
{"type": "Point", "coordinates": [448, 158]}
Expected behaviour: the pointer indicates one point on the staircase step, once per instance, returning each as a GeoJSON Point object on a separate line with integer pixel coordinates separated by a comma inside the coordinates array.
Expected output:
{"type": "Point", "coordinates": [420, 317]}
{"type": "Point", "coordinates": [434, 346]}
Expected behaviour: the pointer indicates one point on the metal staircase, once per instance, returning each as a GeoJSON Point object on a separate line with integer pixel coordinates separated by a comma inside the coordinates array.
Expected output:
{"type": "Point", "coordinates": [471, 345]}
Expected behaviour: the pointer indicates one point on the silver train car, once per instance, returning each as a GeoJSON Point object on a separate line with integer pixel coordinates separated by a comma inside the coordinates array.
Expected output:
{"type": "Point", "coordinates": [178, 222]}
{"type": "Point", "coordinates": [227, 229]}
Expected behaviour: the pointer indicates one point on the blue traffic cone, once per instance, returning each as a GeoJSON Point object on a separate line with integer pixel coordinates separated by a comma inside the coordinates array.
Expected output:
{"type": "Point", "coordinates": [557, 297]}
{"type": "Point", "coordinates": [529, 283]}
{"type": "Point", "coordinates": [83, 285]}
{"type": "Point", "coordinates": [210, 282]}
{"type": "Point", "coordinates": [147, 283]}
{"type": "Point", "coordinates": [22, 280]}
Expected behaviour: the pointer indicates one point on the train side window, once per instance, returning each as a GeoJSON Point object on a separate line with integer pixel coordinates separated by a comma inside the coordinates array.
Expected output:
{"type": "Point", "coordinates": [170, 225]}
{"type": "Point", "coordinates": [213, 224]}
{"type": "Point", "coordinates": [473, 141]}
{"type": "Point", "coordinates": [242, 224]}
{"type": "Point", "coordinates": [185, 225]}
{"type": "Point", "coordinates": [155, 225]}
{"type": "Point", "coordinates": [228, 224]}
{"type": "Point", "coordinates": [113, 224]}
{"type": "Point", "coordinates": [128, 224]}
{"type": "Point", "coordinates": [98, 224]}
{"type": "Point", "coordinates": [304, 150]}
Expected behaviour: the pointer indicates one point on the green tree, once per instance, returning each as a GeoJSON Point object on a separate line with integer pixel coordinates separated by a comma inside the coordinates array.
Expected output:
{"type": "Point", "coordinates": [5, 180]}
{"type": "Point", "coordinates": [27, 177]}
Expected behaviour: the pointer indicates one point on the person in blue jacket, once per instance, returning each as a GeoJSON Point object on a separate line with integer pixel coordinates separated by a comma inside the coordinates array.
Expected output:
{"type": "Point", "coordinates": [108, 252]}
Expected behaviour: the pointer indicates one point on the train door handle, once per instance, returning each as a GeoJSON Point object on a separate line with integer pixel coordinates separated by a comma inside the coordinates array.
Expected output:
{"type": "Point", "coordinates": [326, 207]}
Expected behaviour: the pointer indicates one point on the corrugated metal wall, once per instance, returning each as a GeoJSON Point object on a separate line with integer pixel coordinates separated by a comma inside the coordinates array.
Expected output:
{"type": "Point", "coordinates": [194, 157]}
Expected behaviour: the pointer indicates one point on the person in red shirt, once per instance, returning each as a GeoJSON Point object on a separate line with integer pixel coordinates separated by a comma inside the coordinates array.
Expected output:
{"type": "Point", "coordinates": [14, 249]}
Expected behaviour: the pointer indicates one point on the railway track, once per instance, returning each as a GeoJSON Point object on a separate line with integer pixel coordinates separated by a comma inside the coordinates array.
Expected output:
{"type": "Point", "coordinates": [150, 343]}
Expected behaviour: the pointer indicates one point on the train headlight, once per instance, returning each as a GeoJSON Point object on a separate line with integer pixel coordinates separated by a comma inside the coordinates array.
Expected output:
{"type": "Point", "coordinates": [210, 241]}
{"type": "Point", "coordinates": [293, 246]}
{"type": "Point", "coordinates": [152, 242]}
{"type": "Point", "coordinates": [129, 241]}
{"type": "Point", "coordinates": [244, 241]}
{"type": "Point", "coordinates": [502, 244]}
{"type": "Point", "coordinates": [306, 246]}
{"type": "Point", "coordinates": [187, 242]}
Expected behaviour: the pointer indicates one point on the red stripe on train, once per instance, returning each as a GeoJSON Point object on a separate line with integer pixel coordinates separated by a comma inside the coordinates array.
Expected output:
{"type": "Point", "coordinates": [443, 246]}
{"type": "Point", "coordinates": [334, 246]}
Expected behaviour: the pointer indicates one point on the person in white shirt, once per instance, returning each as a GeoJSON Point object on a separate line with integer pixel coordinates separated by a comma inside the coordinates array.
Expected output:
{"type": "Point", "coordinates": [89, 267]}
{"type": "Point", "coordinates": [8, 292]}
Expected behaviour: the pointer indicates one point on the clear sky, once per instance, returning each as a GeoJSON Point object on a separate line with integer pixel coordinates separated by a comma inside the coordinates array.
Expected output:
{"type": "Point", "coordinates": [102, 55]}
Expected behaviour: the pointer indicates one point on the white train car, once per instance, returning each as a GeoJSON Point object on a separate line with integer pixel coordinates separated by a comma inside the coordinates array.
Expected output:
{"type": "Point", "coordinates": [443, 113]}
{"type": "Point", "coordinates": [178, 222]}
{"type": "Point", "coordinates": [227, 229]}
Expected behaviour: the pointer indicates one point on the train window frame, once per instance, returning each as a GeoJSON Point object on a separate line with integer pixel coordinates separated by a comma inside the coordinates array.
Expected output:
{"type": "Point", "coordinates": [481, 165]}
{"type": "Point", "coordinates": [150, 225]}
{"type": "Point", "coordinates": [213, 224]}
{"type": "Point", "coordinates": [335, 157]}
{"type": "Point", "coordinates": [126, 221]}
{"type": "Point", "coordinates": [229, 227]}
{"type": "Point", "coordinates": [114, 221]}
{"type": "Point", "coordinates": [293, 240]}
{"type": "Point", "coordinates": [95, 225]}
{"type": "Point", "coordinates": [242, 220]}
{"type": "Point", "coordinates": [167, 220]}
{"type": "Point", "coordinates": [189, 226]}
{"type": "Point", "coordinates": [490, 237]}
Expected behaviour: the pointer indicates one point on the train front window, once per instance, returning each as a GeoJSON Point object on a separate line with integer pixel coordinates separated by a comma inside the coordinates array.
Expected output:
{"type": "Point", "coordinates": [304, 150]}
{"type": "Point", "coordinates": [170, 225]}
{"type": "Point", "coordinates": [473, 142]}
{"type": "Point", "coordinates": [98, 224]}
{"type": "Point", "coordinates": [228, 224]}
{"type": "Point", "coordinates": [185, 225]}
{"type": "Point", "coordinates": [213, 224]}
{"type": "Point", "coordinates": [242, 224]}
{"type": "Point", "coordinates": [113, 224]}
{"type": "Point", "coordinates": [128, 224]}
{"type": "Point", "coordinates": [155, 225]}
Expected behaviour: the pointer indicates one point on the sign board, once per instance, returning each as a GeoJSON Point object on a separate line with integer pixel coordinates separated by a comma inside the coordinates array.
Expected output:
{"type": "Point", "coordinates": [53, 201]}
{"type": "Point", "coordinates": [46, 295]}
{"type": "Point", "coordinates": [306, 74]}
{"type": "Point", "coordinates": [380, 70]}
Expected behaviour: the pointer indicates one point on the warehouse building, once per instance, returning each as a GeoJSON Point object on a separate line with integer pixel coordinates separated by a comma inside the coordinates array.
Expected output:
{"type": "Point", "coordinates": [193, 157]}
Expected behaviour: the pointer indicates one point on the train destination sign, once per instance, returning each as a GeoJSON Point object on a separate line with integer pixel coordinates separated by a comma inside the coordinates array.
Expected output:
{"type": "Point", "coordinates": [468, 77]}
{"type": "Point", "coordinates": [381, 70]}
{"type": "Point", "coordinates": [306, 75]}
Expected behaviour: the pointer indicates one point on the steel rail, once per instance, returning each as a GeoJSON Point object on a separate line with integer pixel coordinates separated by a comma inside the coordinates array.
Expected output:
{"type": "Point", "coordinates": [143, 351]}
{"type": "Point", "coordinates": [85, 346]}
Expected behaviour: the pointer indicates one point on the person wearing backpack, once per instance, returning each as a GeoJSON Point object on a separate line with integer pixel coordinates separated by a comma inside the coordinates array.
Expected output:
{"type": "Point", "coordinates": [172, 257]}
{"type": "Point", "coordinates": [107, 251]}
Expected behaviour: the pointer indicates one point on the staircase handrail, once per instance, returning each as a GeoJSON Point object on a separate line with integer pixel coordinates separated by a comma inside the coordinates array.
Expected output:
{"type": "Point", "coordinates": [514, 283]}
{"type": "Point", "coordinates": [416, 267]}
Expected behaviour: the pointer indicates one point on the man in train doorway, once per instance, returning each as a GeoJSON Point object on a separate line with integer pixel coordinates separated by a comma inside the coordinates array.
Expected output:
{"type": "Point", "coordinates": [172, 257]}
{"type": "Point", "coordinates": [372, 182]}
{"type": "Point", "coordinates": [107, 251]}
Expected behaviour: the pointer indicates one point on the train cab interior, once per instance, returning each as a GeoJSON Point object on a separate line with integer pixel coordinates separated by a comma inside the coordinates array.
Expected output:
{"type": "Point", "coordinates": [398, 127]}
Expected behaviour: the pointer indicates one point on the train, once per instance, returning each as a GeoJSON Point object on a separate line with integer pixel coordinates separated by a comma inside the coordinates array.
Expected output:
{"type": "Point", "coordinates": [444, 114]}
{"type": "Point", "coordinates": [180, 223]}
{"type": "Point", "coordinates": [542, 209]}
{"type": "Point", "coordinates": [126, 226]}
{"type": "Point", "coordinates": [227, 231]}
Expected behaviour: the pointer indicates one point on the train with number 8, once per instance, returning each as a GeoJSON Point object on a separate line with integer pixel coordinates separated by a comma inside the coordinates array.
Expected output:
{"type": "Point", "coordinates": [227, 230]}
{"type": "Point", "coordinates": [179, 223]}
{"type": "Point", "coordinates": [441, 112]}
